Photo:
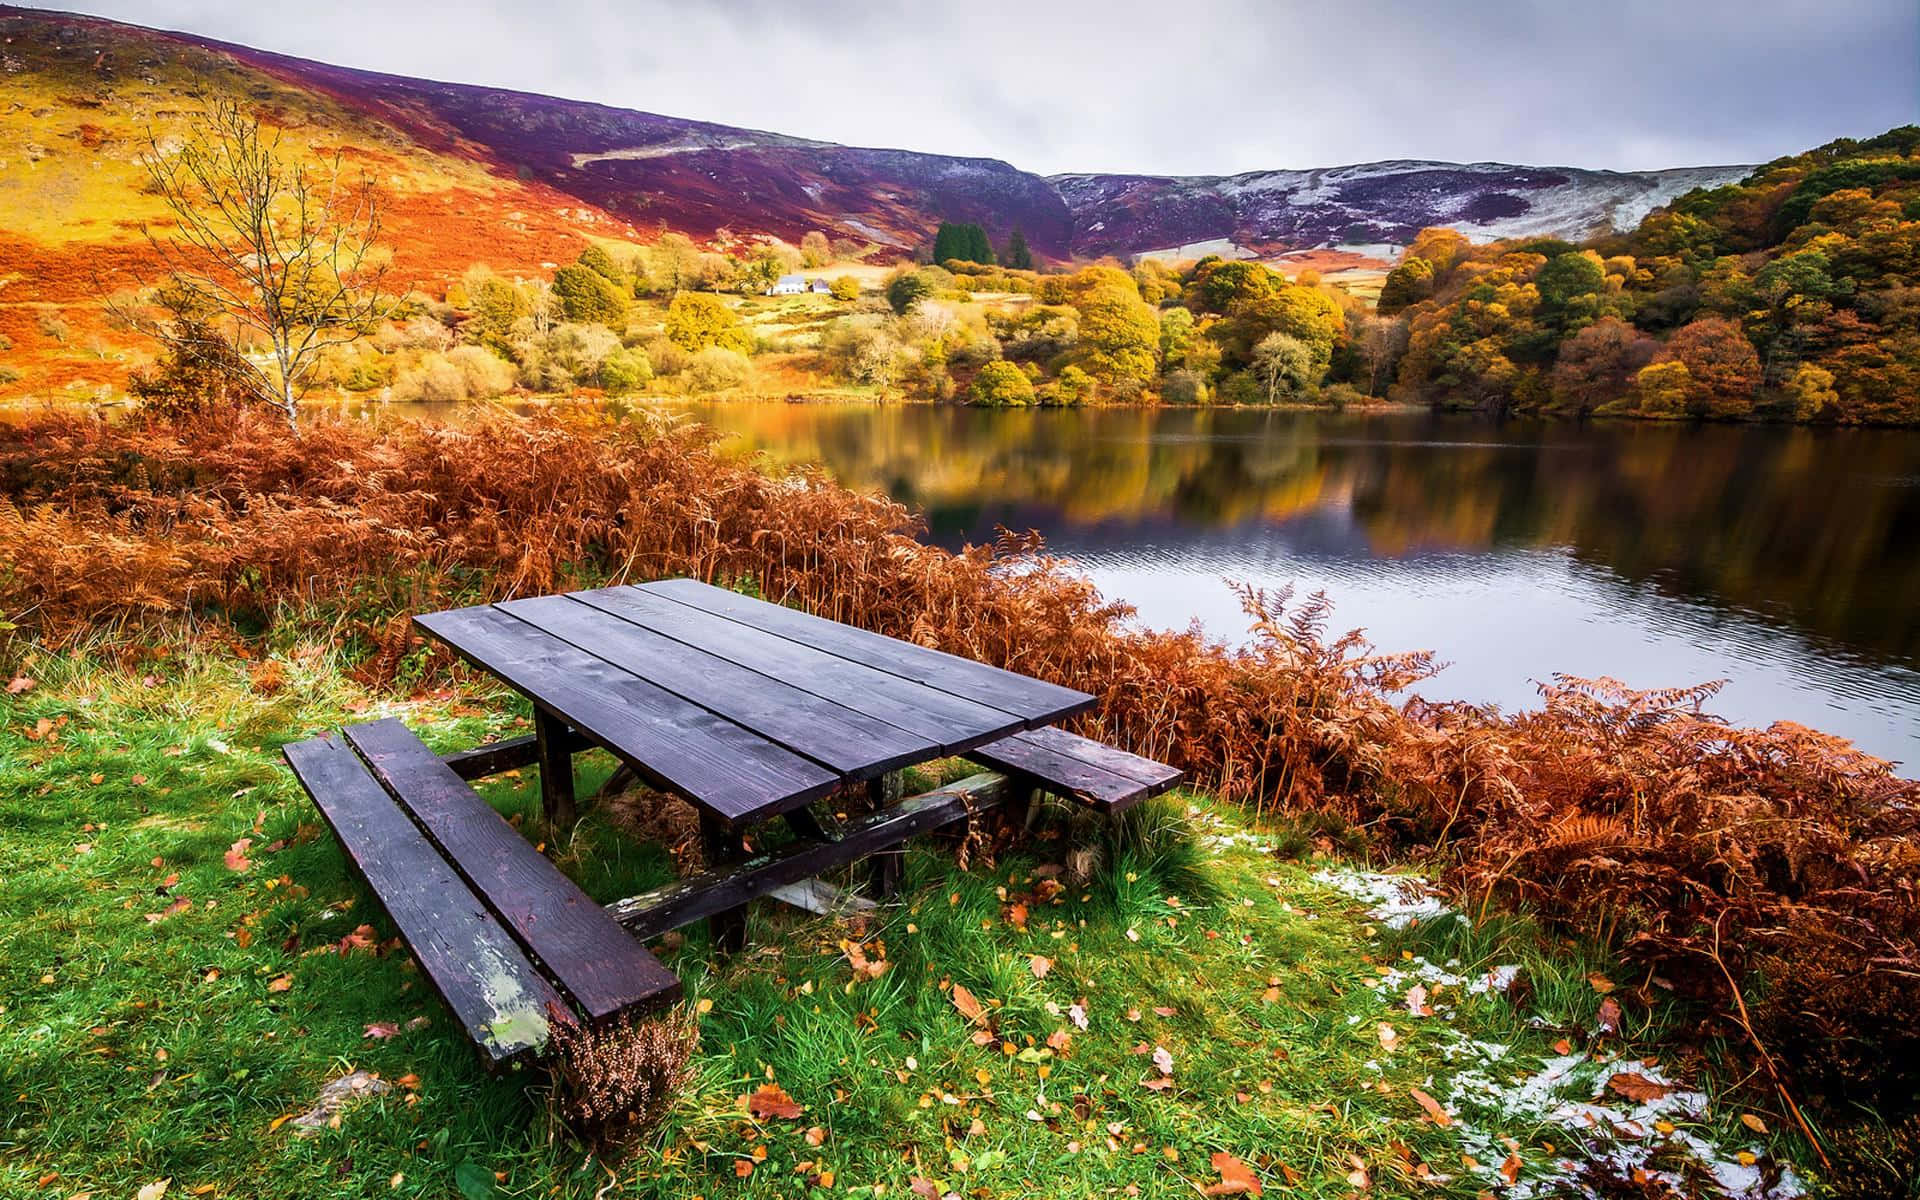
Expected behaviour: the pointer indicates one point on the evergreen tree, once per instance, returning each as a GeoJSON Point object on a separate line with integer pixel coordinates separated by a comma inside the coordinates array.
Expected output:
{"type": "Point", "coordinates": [961, 242]}
{"type": "Point", "coordinates": [1018, 256]}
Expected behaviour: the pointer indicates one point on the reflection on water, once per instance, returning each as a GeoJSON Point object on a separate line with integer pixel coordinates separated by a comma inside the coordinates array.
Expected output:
{"type": "Point", "coordinates": [1784, 560]}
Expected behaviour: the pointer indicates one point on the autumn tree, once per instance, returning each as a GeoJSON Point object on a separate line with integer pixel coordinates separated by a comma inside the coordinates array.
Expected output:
{"type": "Point", "coordinates": [699, 321]}
{"type": "Point", "coordinates": [1722, 367]}
{"type": "Point", "coordinates": [1000, 384]}
{"type": "Point", "coordinates": [1598, 364]}
{"type": "Point", "coordinates": [1285, 366]}
{"type": "Point", "coordinates": [590, 297]}
{"type": "Point", "coordinates": [1219, 284]}
{"type": "Point", "coordinates": [815, 250]}
{"type": "Point", "coordinates": [264, 247]}
{"type": "Point", "coordinates": [1119, 334]}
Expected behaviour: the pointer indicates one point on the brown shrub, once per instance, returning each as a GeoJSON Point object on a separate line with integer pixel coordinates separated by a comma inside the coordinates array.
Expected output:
{"type": "Point", "coordinates": [1780, 857]}
{"type": "Point", "coordinates": [616, 1083]}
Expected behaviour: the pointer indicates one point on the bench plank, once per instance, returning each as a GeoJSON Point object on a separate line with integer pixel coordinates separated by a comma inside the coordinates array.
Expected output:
{"type": "Point", "coordinates": [1155, 775]}
{"type": "Point", "coordinates": [472, 961]}
{"type": "Point", "coordinates": [1078, 768]}
{"type": "Point", "coordinates": [597, 962]}
{"type": "Point", "coordinates": [851, 743]}
{"type": "Point", "coordinates": [951, 722]}
{"type": "Point", "coordinates": [730, 771]}
{"type": "Point", "coordinates": [1034, 700]}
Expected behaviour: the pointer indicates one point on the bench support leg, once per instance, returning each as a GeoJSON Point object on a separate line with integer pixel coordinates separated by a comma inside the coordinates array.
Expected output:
{"type": "Point", "coordinates": [556, 773]}
{"type": "Point", "coordinates": [728, 927]}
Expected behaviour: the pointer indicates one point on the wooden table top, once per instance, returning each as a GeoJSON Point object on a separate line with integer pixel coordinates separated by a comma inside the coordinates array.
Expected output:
{"type": "Point", "coordinates": [744, 708]}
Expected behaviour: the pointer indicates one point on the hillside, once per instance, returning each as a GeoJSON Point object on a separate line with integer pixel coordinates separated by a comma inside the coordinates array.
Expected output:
{"type": "Point", "coordinates": [668, 172]}
{"type": "Point", "coordinates": [1366, 205]}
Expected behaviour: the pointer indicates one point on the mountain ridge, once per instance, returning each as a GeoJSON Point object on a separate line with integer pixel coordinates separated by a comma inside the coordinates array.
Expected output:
{"type": "Point", "coordinates": [652, 170]}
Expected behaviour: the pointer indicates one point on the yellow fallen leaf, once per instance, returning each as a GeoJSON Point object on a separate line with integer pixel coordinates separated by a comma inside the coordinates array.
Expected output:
{"type": "Point", "coordinates": [1752, 1122]}
{"type": "Point", "coordinates": [153, 1191]}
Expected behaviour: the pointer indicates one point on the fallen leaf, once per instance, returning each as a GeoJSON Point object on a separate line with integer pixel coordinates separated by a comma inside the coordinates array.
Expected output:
{"type": "Point", "coordinates": [1059, 1041]}
{"type": "Point", "coordinates": [1039, 964]}
{"type": "Point", "coordinates": [1608, 1020]}
{"type": "Point", "coordinates": [771, 1100]}
{"type": "Point", "coordinates": [1077, 1013]}
{"type": "Point", "coordinates": [173, 910]}
{"type": "Point", "coordinates": [1157, 1084]}
{"type": "Point", "coordinates": [1417, 1001]}
{"type": "Point", "coordinates": [1510, 1169]}
{"type": "Point", "coordinates": [742, 1167]}
{"type": "Point", "coordinates": [1236, 1177]}
{"type": "Point", "coordinates": [19, 684]}
{"type": "Point", "coordinates": [1432, 1107]}
{"type": "Point", "coordinates": [382, 1029]}
{"type": "Point", "coordinates": [1017, 916]}
{"type": "Point", "coordinates": [1163, 1059]}
{"type": "Point", "coordinates": [816, 1135]}
{"type": "Point", "coordinates": [280, 983]}
{"type": "Point", "coordinates": [153, 1191]}
{"type": "Point", "coordinates": [1388, 1037]}
{"type": "Point", "coordinates": [969, 1007]}
{"type": "Point", "coordinates": [1637, 1088]}
{"type": "Point", "coordinates": [1600, 983]}
{"type": "Point", "coordinates": [1749, 1120]}
{"type": "Point", "coordinates": [236, 856]}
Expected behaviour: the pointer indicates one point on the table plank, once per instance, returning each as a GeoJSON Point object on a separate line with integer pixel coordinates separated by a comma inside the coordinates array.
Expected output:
{"type": "Point", "coordinates": [586, 950]}
{"type": "Point", "coordinates": [730, 771]}
{"type": "Point", "coordinates": [952, 723]}
{"type": "Point", "coordinates": [849, 742]}
{"type": "Point", "coordinates": [1034, 700]}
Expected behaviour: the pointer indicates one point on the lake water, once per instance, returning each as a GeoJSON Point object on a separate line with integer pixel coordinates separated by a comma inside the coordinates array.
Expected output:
{"type": "Point", "coordinates": [1785, 561]}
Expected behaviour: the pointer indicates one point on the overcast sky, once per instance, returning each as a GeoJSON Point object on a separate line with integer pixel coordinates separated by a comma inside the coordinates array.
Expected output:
{"type": "Point", "coordinates": [1173, 87]}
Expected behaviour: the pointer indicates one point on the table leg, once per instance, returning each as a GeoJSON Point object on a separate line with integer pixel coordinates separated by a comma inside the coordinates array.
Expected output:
{"type": "Point", "coordinates": [728, 928]}
{"type": "Point", "coordinates": [884, 866]}
{"type": "Point", "coordinates": [556, 772]}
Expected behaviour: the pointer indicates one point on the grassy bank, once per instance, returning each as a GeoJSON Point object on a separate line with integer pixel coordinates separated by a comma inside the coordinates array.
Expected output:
{"type": "Point", "coordinates": [189, 963]}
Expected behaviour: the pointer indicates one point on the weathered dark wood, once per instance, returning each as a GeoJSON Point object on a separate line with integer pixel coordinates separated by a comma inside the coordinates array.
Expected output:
{"type": "Point", "coordinates": [504, 755]}
{"type": "Point", "coordinates": [1155, 775]}
{"type": "Point", "coordinates": [675, 745]}
{"type": "Point", "coordinates": [593, 959]}
{"type": "Point", "coordinates": [805, 823]}
{"type": "Point", "coordinates": [1036, 700]}
{"type": "Point", "coordinates": [554, 753]}
{"type": "Point", "coordinates": [850, 743]}
{"type": "Point", "coordinates": [727, 926]}
{"type": "Point", "coordinates": [471, 959]}
{"type": "Point", "coordinates": [950, 722]}
{"type": "Point", "coordinates": [1078, 768]}
{"type": "Point", "coordinates": [727, 888]}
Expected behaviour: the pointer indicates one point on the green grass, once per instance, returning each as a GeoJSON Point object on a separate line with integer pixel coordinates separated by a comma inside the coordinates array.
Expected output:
{"type": "Point", "coordinates": [134, 1049]}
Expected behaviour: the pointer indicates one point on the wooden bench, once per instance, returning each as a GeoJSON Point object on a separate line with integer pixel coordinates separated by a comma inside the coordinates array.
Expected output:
{"type": "Point", "coordinates": [1077, 768]}
{"type": "Point", "coordinates": [506, 939]}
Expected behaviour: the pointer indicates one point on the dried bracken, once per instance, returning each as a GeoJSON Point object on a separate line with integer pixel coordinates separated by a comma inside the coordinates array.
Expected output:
{"type": "Point", "coordinates": [1780, 861]}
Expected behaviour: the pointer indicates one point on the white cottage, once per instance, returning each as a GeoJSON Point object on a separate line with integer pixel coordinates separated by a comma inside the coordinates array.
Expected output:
{"type": "Point", "coordinates": [788, 285]}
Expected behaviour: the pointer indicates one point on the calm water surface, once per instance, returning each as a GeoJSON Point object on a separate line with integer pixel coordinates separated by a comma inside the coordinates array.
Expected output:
{"type": "Point", "coordinates": [1785, 561]}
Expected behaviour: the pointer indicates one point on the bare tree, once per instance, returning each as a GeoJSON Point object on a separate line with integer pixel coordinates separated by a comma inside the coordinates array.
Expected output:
{"type": "Point", "coordinates": [280, 251]}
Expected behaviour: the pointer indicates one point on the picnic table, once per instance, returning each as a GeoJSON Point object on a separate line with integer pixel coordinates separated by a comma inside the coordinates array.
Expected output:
{"type": "Point", "coordinates": [749, 711]}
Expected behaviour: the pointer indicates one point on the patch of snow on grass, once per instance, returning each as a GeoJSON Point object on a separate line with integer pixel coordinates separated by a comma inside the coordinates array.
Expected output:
{"type": "Point", "coordinates": [1395, 900]}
